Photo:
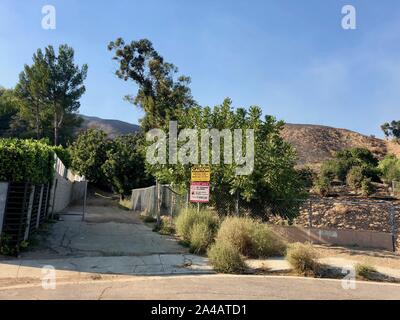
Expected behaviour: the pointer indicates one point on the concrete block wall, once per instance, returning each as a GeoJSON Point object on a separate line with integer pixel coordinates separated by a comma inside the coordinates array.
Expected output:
{"type": "Point", "coordinates": [67, 188]}
{"type": "Point", "coordinates": [339, 237]}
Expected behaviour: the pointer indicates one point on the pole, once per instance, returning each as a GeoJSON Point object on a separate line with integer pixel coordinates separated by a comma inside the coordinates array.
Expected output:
{"type": "Point", "coordinates": [393, 227]}
{"type": "Point", "coordinates": [158, 203]}
{"type": "Point", "coordinates": [84, 201]}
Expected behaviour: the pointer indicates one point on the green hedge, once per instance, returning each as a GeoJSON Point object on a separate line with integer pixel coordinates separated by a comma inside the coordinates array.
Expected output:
{"type": "Point", "coordinates": [26, 161]}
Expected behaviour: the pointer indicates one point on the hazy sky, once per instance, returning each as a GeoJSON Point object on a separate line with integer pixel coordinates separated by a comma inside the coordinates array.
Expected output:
{"type": "Point", "coordinates": [292, 58]}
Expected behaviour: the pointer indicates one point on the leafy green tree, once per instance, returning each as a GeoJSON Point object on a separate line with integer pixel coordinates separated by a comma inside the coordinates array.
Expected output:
{"type": "Point", "coordinates": [9, 106]}
{"type": "Point", "coordinates": [124, 168]}
{"type": "Point", "coordinates": [88, 153]}
{"type": "Point", "coordinates": [161, 94]}
{"type": "Point", "coordinates": [391, 129]}
{"type": "Point", "coordinates": [390, 168]}
{"type": "Point", "coordinates": [65, 87]}
{"type": "Point", "coordinates": [32, 90]}
{"type": "Point", "coordinates": [273, 186]}
{"type": "Point", "coordinates": [50, 90]}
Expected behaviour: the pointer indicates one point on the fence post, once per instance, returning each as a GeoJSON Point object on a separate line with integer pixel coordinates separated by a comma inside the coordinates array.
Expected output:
{"type": "Point", "coordinates": [172, 204]}
{"type": "Point", "coordinates": [393, 226]}
{"type": "Point", "coordinates": [29, 213]}
{"type": "Point", "coordinates": [158, 203]}
{"type": "Point", "coordinates": [309, 221]}
{"type": "Point", "coordinates": [40, 206]}
{"type": "Point", "coordinates": [310, 214]}
{"type": "Point", "coordinates": [84, 201]}
{"type": "Point", "coordinates": [237, 203]}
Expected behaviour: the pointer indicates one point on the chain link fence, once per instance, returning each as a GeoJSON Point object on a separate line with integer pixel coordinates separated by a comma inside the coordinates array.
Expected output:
{"type": "Point", "coordinates": [396, 189]}
{"type": "Point", "coordinates": [353, 214]}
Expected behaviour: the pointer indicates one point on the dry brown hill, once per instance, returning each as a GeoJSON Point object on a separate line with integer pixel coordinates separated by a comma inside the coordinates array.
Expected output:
{"type": "Point", "coordinates": [316, 143]}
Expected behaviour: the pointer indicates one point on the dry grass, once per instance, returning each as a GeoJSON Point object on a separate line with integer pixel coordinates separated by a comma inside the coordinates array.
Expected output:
{"type": "Point", "coordinates": [303, 258]}
{"type": "Point", "coordinates": [250, 237]}
{"type": "Point", "coordinates": [226, 258]}
{"type": "Point", "coordinates": [366, 271]}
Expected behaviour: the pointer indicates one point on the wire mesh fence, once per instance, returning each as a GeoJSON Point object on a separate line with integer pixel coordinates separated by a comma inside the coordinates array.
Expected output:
{"type": "Point", "coordinates": [358, 214]}
{"type": "Point", "coordinates": [396, 189]}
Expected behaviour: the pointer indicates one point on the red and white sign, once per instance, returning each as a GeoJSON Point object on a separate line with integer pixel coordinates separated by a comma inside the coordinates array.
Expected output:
{"type": "Point", "coordinates": [199, 192]}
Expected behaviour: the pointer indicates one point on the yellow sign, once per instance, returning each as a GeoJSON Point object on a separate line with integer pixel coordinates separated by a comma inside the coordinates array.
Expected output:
{"type": "Point", "coordinates": [201, 174]}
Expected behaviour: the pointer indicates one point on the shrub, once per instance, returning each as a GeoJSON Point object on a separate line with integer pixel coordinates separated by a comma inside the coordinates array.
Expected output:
{"type": "Point", "coordinates": [365, 271]}
{"type": "Point", "coordinates": [367, 188]}
{"type": "Point", "coordinates": [390, 168]}
{"type": "Point", "coordinates": [266, 243]}
{"type": "Point", "coordinates": [354, 177]}
{"type": "Point", "coordinates": [64, 155]}
{"type": "Point", "coordinates": [201, 236]}
{"type": "Point", "coordinates": [303, 258]}
{"type": "Point", "coordinates": [166, 226]}
{"type": "Point", "coordinates": [323, 186]}
{"type": "Point", "coordinates": [187, 218]}
{"type": "Point", "coordinates": [307, 176]}
{"type": "Point", "coordinates": [26, 161]}
{"type": "Point", "coordinates": [250, 237]}
{"type": "Point", "coordinates": [226, 258]}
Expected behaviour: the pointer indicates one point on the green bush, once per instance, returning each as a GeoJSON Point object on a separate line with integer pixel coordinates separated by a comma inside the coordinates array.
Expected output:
{"type": "Point", "coordinates": [367, 188]}
{"type": "Point", "coordinates": [64, 154]}
{"type": "Point", "coordinates": [250, 237]}
{"type": "Point", "coordinates": [187, 218]}
{"type": "Point", "coordinates": [26, 161]}
{"type": "Point", "coordinates": [345, 160]}
{"type": "Point", "coordinates": [226, 258]}
{"type": "Point", "coordinates": [390, 168]}
{"type": "Point", "coordinates": [323, 185]}
{"type": "Point", "coordinates": [355, 177]}
{"type": "Point", "coordinates": [307, 176]}
{"type": "Point", "coordinates": [303, 258]}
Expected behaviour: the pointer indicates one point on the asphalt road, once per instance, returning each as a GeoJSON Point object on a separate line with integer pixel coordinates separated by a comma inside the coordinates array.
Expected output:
{"type": "Point", "coordinates": [206, 287]}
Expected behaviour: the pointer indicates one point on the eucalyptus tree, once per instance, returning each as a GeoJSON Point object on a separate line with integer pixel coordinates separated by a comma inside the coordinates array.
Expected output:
{"type": "Point", "coordinates": [161, 94]}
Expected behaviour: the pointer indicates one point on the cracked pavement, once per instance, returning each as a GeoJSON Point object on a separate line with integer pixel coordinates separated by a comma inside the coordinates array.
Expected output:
{"type": "Point", "coordinates": [110, 241]}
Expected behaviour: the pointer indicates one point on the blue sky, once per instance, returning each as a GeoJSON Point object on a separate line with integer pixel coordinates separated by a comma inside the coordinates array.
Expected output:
{"type": "Point", "coordinates": [291, 57]}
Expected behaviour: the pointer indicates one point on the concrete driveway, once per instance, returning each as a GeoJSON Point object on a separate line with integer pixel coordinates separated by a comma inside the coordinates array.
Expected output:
{"type": "Point", "coordinates": [109, 241]}
{"type": "Point", "coordinates": [106, 231]}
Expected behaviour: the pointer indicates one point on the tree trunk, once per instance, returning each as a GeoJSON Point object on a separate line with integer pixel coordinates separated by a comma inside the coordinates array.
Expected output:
{"type": "Point", "coordinates": [55, 129]}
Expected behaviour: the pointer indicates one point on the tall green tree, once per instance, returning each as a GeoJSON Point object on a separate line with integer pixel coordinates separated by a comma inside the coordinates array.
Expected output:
{"type": "Point", "coordinates": [32, 90]}
{"type": "Point", "coordinates": [125, 164]}
{"type": "Point", "coordinates": [161, 94]}
{"type": "Point", "coordinates": [9, 106]}
{"type": "Point", "coordinates": [88, 153]}
{"type": "Point", "coordinates": [66, 86]}
{"type": "Point", "coordinates": [50, 90]}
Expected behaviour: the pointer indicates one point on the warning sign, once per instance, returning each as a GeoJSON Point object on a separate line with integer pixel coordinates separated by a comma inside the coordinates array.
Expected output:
{"type": "Point", "coordinates": [200, 174]}
{"type": "Point", "coordinates": [199, 192]}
